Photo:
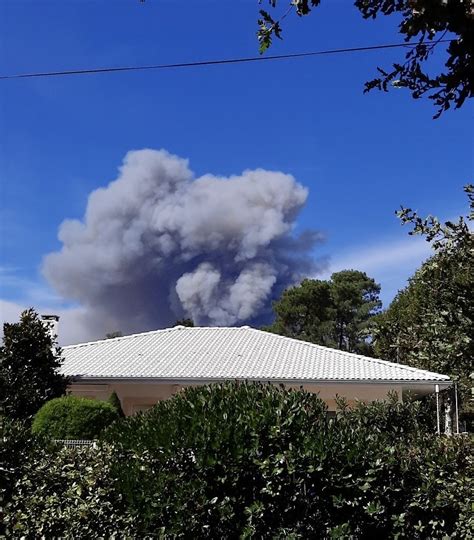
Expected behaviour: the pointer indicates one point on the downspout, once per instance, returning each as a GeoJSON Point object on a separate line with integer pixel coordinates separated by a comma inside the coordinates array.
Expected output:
{"type": "Point", "coordinates": [456, 406]}
{"type": "Point", "coordinates": [438, 425]}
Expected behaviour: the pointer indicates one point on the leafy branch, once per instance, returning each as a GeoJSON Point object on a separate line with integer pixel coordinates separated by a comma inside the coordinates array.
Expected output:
{"type": "Point", "coordinates": [422, 20]}
{"type": "Point", "coordinates": [448, 235]}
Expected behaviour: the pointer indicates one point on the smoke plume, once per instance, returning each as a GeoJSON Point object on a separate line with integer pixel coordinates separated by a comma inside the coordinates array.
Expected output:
{"type": "Point", "coordinates": [158, 244]}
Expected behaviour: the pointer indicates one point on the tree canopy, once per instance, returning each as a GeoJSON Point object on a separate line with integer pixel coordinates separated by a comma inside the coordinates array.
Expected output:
{"type": "Point", "coordinates": [428, 22]}
{"type": "Point", "coordinates": [430, 323]}
{"type": "Point", "coordinates": [184, 322]}
{"type": "Point", "coordinates": [114, 334]}
{"type": "Point", "coordinates": [333, 313]}
{"type": "Point", "coordinates": [29, 367]}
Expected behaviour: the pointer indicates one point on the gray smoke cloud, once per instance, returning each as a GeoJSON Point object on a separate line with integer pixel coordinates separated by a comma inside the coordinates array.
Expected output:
{"type": "Point", "coordinates": [158, 244]}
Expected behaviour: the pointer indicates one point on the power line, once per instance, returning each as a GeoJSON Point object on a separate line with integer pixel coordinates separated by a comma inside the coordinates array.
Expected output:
{"type": "Point", "coordinates": [213, 62]}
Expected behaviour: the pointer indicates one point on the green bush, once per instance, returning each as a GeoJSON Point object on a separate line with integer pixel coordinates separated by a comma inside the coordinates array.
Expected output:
{"type": "Point", "coordinates": [18, 448]}
{"type": "Point", "coordinates": [253, 460]}
{"type": "Point", "coordinates": [68, 493]}
{"type": "Point", "coordinates": [114, 400]}
{"type": "Point", "coordinates": [73, 417]}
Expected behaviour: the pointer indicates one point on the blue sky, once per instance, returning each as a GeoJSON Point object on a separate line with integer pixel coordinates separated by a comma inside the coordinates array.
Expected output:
{"type": "Point", "coordinates": [361, 156]}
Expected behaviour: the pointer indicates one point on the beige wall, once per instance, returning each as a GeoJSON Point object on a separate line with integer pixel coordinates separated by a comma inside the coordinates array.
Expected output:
{"type": "Point", "coordinates": [141, 396]}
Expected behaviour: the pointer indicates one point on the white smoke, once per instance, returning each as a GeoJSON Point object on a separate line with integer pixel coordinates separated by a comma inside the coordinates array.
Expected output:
{"type": "Point", "coordinates": [158, 244]}
{"type": "Point", "coordinates": [205, 291]}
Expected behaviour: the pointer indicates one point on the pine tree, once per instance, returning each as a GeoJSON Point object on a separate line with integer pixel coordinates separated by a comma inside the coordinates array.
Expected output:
{"type": "Point", "coordinates": [334, 313]}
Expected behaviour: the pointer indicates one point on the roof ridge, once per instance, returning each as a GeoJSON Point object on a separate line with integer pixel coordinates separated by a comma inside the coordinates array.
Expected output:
{"type": "Point", "coordinates": [118, 338]}
{"type": "Point", "coordinates": [157, 330]}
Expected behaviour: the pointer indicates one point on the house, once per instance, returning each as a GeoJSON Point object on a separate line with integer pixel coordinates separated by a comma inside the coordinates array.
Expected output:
{"type": "Point", "coordinates": [145, 368]}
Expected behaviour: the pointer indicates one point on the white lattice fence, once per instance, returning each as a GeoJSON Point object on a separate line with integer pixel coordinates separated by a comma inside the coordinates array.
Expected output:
{"type": "Point", "coordinates": [76, 443]}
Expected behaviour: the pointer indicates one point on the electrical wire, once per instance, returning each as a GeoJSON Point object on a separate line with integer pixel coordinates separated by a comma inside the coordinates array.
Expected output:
{"type": "Point", "coordinates": [212, 62]}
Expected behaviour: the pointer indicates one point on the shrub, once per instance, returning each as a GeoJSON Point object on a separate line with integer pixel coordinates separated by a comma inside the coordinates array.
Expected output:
{"type": "Point", "coordinates": [68, 493]}
{"type": "Point", "coordinates": [114, 400]}
{"type": "Point", "coordinates": [253, 460]}
{"type": "Point", "coordinates": [73, 417]}
{"type": "Point", "coordinates": [18, 446]}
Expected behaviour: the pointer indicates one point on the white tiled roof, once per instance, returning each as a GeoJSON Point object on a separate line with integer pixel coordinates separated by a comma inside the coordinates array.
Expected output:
{"type": "Point", "coordinates": [207, 354]}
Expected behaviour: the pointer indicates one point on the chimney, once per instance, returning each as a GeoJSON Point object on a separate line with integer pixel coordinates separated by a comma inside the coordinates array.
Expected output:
{"type": "Point", "coordinates": [51, 323]}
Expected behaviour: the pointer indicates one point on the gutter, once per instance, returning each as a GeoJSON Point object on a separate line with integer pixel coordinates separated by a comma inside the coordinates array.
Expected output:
{"type": "Point", "coordinates": [445, 383]}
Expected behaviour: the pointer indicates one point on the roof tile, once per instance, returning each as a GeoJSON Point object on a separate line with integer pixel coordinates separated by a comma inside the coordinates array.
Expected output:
{"type": "Point", "coordinates": [214, 353]}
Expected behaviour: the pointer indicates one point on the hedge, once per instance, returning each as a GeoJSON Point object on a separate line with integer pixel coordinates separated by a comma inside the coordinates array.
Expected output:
{"type": "Point", "coordinates": [19, 448]}
{"type": "Point", "coordinates": [68, 493]}
{"type": "Point", "coordinates": [253, 461]}
{"type": "Point", "coordinates": [73, 417]}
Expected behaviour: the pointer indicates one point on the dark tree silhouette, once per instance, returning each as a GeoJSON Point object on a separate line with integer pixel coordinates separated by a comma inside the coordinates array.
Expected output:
{"type": "Point", "coordinates": [29, 367]}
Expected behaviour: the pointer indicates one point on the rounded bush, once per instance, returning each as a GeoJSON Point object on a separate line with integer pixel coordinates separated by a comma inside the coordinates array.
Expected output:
{"type": "Point", "coordinates": [73, 417]}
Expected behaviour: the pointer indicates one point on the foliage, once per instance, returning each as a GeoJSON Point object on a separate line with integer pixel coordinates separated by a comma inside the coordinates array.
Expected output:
{"type": "Point", "coordinates": [29, 367]}
{"type": "Point", "coordinates": [334, 313]}
{"type": "Point", "coordinates": [356, 300]}
{"type": "Point", "coordinates": [430, 324]}
{"type": "Point", "coordinates": [306, 312]}
{"type": "Point", "coordinates": [114, 400]}
{"type": "Point", "coordinates": [253, 460]}
{"type": "Point", "coordinates": [68, 493]}
{"type": "Point", "coordinates": [248, 460]}
{"type": "Point", "coordinates": [73, 417]}
{"type": "Point", "coordinates": [184, 322]}
{"type": "Point", "coordinates": [428, 21]}
{"type": "Point", "coordinates": [446, 238]}
{"type": "Point", "coordinates": [113, 335]}
{"type": "Point", "coordinates": [17, 448]}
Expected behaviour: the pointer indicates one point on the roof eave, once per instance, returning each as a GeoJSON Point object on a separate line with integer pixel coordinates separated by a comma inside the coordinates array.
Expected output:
{"type": "Point", "coordinates": [207, 380]}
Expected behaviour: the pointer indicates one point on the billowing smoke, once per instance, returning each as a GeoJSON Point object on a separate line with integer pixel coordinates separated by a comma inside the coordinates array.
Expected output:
{"type": "Point", "coordinates": [158, 244]}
